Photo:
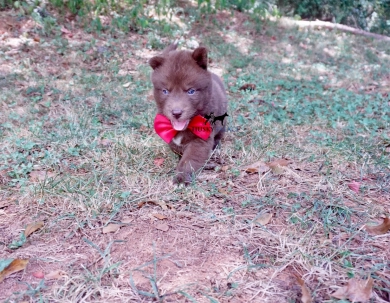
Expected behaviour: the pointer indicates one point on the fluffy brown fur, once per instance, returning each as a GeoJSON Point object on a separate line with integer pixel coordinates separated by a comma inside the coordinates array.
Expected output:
{"type": "Point", "coordinates": [175, 74]}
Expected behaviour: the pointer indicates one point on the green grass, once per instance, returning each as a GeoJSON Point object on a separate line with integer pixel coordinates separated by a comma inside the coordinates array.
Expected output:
{"type": "Point", "coordinates": [320, 100]}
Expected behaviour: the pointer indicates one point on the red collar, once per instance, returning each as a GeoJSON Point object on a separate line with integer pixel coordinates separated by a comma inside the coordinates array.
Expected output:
{"type": "Point", "coordinates": [198, 125]}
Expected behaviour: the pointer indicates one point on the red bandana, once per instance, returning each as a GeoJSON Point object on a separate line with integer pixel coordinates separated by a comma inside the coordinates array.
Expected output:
{"type": "Point", "coordinates": [198, 125]}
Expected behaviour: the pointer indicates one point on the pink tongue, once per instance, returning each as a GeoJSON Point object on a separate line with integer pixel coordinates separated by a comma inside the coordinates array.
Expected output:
{"type": "Point", "coordinates": [179, 125]}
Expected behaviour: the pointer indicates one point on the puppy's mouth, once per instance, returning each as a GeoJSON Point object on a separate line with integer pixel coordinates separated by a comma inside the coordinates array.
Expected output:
{"type": "Point", "coordinates": [180, 125]}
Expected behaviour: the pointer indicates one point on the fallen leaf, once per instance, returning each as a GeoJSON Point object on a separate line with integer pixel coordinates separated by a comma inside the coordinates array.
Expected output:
{"type": "Point", "coordinates": [32, 227]}
{"type": "Point", "coordinates": [223, 191]}
{"type": "Point", "coordinates": [12, 267]}
{"type": "Point", "coordinates": [141, 204]}
{"type": "Point", "coordinates": [354, 186]}
{"type": "Point", "coordinates": [4, 263]}
{"type": "Point", "coordinates": [38, 274]}
{"type": "Point", "coordinates": [171, 207]}
{"type": "Point", "coordinates": [263, 219]}
{"type": "Point", "coordinates": [184, 214]}
{"type": "Point", "coordinates": [357, 290]}
{"type": "Point", "coordinates": [111, 228]}
{"type": "Point", "coordinates": [341, 293]}
{"type": "Point", "coordinates": [277, 166]}
{"type": "Point", "coordinates": [162, 226]}
{"type": "Point", "coordinates": [127, 221]}
{"type": "Point", "coordinates": [225, 168]}
{"type": "Point", "coordinates": [57, 274]}
{"type": "Point", "coordinates": [162, 204]}
{"type": "Point", "coordinates": [159, 161]}
{"type": "Point", "coordinates": [257, 167]}
{"type": "Point", "coordinates": [40, 175]}
{"type": "Point", "coordinates": [379, 229]}
{"type": "Point", "coordinates": [65, 30]}
{"type": "Point", "coordinates": [160, 216]}
{"type": "Point", "coordinates": [248, 86]}
{"type": "Point", "coordinates": [306, 296]}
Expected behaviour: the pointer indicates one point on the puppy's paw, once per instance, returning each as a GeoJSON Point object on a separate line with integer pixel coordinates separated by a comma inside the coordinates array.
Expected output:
{"type": "Point", "coordinates": [183, 178]}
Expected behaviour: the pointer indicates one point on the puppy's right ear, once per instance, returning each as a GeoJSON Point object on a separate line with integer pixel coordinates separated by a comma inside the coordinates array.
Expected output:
{"type": "Point", "coordinates": [155, 62]}
{"type": "Point", "coordinates": [200, 56]}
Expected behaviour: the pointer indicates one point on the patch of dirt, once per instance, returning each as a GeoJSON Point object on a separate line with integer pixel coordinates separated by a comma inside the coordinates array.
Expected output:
{"type": "Point", "coordinates": [193, 255]}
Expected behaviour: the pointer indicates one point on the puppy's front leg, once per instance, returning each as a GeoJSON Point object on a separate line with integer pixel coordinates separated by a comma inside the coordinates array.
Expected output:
{"type": "Point", "coordinates": [195, 155]}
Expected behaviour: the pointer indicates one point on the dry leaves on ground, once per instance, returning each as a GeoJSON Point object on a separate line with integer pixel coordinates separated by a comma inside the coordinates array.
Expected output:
{"type": "Point", "coordinates": [278, 166]}
{"type": "Point", "coordinates": [357, 290]}
{"type": "Point", "coordinates": [162, 204]}
{"type": "Point", "coordinates": [38, 274]}
{"type": "Point", "coordinates": [263, 218]}
{"type": "Point", "coordinates": [306, 296]}
{"type": "Point", "coordinates": [379, 229]}
{"type": "Point", "coordinates": [257, 167]}
{"type": "Point", "coordinates": [67, 33]}
{"type": "Point", "coordinates": [10, 266]}
{"type": "Point", "coordinates": [355, 186]}
{"type": "Point", "coordinates": [111, 228]}
{"type": "Point", "coordinates": [162, 226]}
{"type": "Point", "coordinates": [223, 191]}
{"type": "Point", "coordinates": [55, 275]}
{"type": "Point", "coordinates": [33, 227]}
{"type": "Point", "coordinates": [160, 216]}
{"type": "Point", "coordinates": [225, 168]}
{"type": "Point", "coordinates": [159, 161]}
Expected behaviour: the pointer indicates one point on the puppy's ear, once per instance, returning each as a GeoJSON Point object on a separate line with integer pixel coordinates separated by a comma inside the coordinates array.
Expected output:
{"type": "Point", "coordinates": [200, 56]}
{"type": "Point", "coordinates": [155, 62]}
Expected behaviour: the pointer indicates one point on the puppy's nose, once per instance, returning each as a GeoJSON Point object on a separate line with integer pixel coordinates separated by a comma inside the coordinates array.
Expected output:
{"type": "Point", "coordinates": [177, 113]}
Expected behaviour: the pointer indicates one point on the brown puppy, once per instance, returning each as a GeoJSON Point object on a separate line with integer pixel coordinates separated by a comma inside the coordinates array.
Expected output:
{"type": "Point", "coordinates": [184, 89]}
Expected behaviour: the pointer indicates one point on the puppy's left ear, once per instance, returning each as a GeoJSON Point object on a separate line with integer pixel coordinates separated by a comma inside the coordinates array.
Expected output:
{"type": "Point", "coordinates": [155, 62]}
{"type": "Point", "coordinates": [200, 56]}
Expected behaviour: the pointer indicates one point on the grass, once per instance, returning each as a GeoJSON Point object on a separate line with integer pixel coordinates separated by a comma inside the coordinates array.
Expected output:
{"type": "Point", "coordinates": [78, 152]}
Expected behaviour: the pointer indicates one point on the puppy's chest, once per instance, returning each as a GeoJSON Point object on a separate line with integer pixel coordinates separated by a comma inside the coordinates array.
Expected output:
{"type": "Point", "coordinates": [182, 139]}
{"type": "Point", "coordinates": [179, 143]}
{"type": "Point", "coordinates": [178, 140]}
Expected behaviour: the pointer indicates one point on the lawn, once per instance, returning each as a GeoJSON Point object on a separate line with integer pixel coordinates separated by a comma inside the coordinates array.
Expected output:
{"type": "Point", "coordinates": [283, 211]}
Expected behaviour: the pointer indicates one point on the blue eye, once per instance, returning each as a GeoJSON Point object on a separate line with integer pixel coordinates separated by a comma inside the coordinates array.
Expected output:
{"type": "Point", "coordinates": [165, 91]}
{"type": "Point", "coordinates": [191, 91]}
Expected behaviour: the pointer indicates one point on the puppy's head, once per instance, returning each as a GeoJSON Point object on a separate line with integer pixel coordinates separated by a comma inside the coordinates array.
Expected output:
{"type": "Point", "coordinates": [182, 84]}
